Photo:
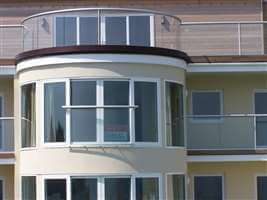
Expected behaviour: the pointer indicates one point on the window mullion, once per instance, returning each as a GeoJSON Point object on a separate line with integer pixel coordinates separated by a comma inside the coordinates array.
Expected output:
{"type": "Point", "coordinates": [68, 184]}
{"type": "Point", "coordinates": [128, 30]}
{"type": "Point", "coordinates": [100, 111]}
{"type": "Point", "coordinates": [68, 112]}
{"type": "Point", "coordinates": [78, 30]}
{"type": "Point", "coordinates": [132, 111]}
{"type": "Point", "coordinates": [100, 188]}
{"type": "Point", "coordinates": [133, 188]}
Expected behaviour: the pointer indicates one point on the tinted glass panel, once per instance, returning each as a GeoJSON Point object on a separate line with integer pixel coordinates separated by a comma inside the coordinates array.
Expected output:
{"type": "Point", "coordinates": [147, 188]}
{"type": "Point", "coordinates": [116, 125]}
{"type": "Point", "coordinates": [137, 37]}
{"type": "Point", "coordinates": [84, 189]}
{"type": "Point", "coordinates": [54, 113]}
{"type": "Point", "coordinates": [117, 188]}
{"type": "Point", "coordinates": [83, 125]}
{"type": "Point", "coordinates": [28, 188]}
{"type": "Point", "coordinates": [208, 187]}
{"type": "Point", "coordinates": [261, 122]}
{"type": "Point", "coordinates": [83, 92]}
{"type": "Point", "coordinates": [174, 114]}
{"type": "Point", "coordinates": [178, 187]}
{"type": "Point", "coordinates": [116, 30]}
{"type": "Point", "coordinates": [206, 103]}
{"type": "Point", "coordinates": [66, 31]}
{"type": "Point", "coordinates": [55, 189]}
{"type": "Point", "coordinates": [146, 123]}
{"type": "Point", "coordinates": [116, 93]}
{"type": "Point", "coordinates": [88, 30]}
{"type": "Point", "coordinates": [27, 115]}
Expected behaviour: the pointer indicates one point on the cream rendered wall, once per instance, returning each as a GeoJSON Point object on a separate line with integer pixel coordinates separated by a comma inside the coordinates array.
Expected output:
{"type": "Point", "coordinates": [52, 160]}
{"type": "Point", "coordinates": [239, 177]}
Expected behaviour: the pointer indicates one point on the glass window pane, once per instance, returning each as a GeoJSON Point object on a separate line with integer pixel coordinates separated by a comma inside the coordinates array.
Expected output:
{"type": "Point", "coordinates": [116, 125]}
{"type": "Point", "coordinates": [260, 103]}
{"type": "Point", "coordinates": [137, 37]}
{"type": "Point", "coordinates": [27, 115]}
{"type": "Point", "coordinates": [261, 122]}
{"type": "Point", "coordinates": [262, 187]}
{"type": "Point", "coordinates": [176, 187]}
{"type": "Point", "coordinates": [116, 92]}
{"type": "Point", "coordinates": [116, 30]}
{"type": "Point", "coordinates": [1, 190]}
{"type": "Point", "coordinates": [208, 187]}
{"type": "Point", "coordinates": [28, 188]}
{"type": "Point", "coordinates": [174, 114]}
{"type": "Point", "coordinates": [83, 125]}
{"type": "Point", "coordinates": [88, 30]}
{"type": "Point", "coordinates": [55, 120]}
{"type": "Point", "coordinates": [206, 103]}
{"type": "Point", "coordinates": [83, 189]}
{"type": "Point", "coordinates": [146, 115]}
{"type": "Point", "coordinates": [117, 188]}
{"type": "Point", "coordinates": [55, 189]}
{"type": "Point", "coordinates": [66, 31]}
{"type": "Point", "coordinates": [147, 188]}
{"type": "Point", "coordinates": [83, 92]}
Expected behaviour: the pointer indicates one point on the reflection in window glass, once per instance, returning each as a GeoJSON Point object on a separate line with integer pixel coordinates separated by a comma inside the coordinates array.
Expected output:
{"type": "Point", "coordinates": [55, 120]}
{"type": "Point", "coordinates": [82, 188]}
{"type": "Point", "coordinates": [88, 30]}
{"type": "Point", "coordinates": [116, 30]}
{"type": "Point", "coordinates": [137, 37]}
{"type": "Point", "coordinates": [147, 188]}
{"type": "Point", "coordinates": [55, 189]}
{"type": "Point", "coordinates": [174, 114]}
{"type": "Point", "coordinates": [28, 188]}
{"type": "Point", "coordinates": [146, 123]}
{"type": "Point", "coordinates": [28, 115]}
{"type": "Point", "coordinates": [117, 189]}
{"type": "Point", "coordinates": [66, 31]}
{"type": "Point", "coordinates": [208, 187]}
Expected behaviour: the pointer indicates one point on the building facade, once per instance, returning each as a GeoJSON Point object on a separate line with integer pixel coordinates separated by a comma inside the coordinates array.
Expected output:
{"type": "Point", "coordinates": [133, 100]}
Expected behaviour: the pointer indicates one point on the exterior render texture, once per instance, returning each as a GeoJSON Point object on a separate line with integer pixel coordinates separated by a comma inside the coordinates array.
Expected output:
{"type": "Point", "coordinates": [133, 100]}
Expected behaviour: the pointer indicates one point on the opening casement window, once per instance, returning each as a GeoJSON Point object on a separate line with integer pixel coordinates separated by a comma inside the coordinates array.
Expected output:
{"type": "Point", "coordinates": [102, 188]}
{"type": "Point", "coordinates": [207, 104]}
{"type": "Point", "coordinates": [110, 29]}
{"type": "Point", "coordinates": [174, 114]}
{"type": "Point", "coordinates": [101, 111]}
{"type": "Point", "coordinates": [28, 121]}
{"type": "Point", "coordinates": [175, 187]}
{"type": "Point", "coordinates": [28, 188]}
{"type": "Point", "coordinates": [208, 187]}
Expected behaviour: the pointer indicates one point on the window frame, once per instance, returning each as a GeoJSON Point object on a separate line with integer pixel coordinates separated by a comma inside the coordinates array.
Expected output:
{"type": "Point", "coordinates": [218, 119]}
{"type": "Point", "coordinates": [165, 115]}
{"type": "Point", "coordinates": [176, 173]}
{"type": "Point", "coordinates": [101, 143]}
{"type": "Point", "coordinates": [101, 182]}
{"type": "Point", "coordinates": [102, 37]}
{"type": "Point", "coordinates": [208, 175]}
{"type": "Point", "coordinates": [20, 106]}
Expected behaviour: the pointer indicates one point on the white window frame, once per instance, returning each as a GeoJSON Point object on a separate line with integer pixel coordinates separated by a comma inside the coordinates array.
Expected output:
{"type": "Point", "coordinates": [102, 27]}
{"type": "Point", "coordinates": [101, 182]}
{"type": "Point", "coordinates": [176, 173]}
{"type": "Point", "coordinates": [207, 175]}
{"type": "Point", "coordinates": [208, 119]}
{"type": "Point", "coordinates": [165, 115]}
{"type": "Point", "coordinates": [36, 100]}
{"type": "Point", "coordinates": [100, 135]}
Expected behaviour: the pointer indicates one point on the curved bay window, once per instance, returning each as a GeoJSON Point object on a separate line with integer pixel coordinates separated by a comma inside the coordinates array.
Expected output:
{"type": "Point", "coordinates": [101, 111]}
{"type": "Point", "coordinates": [28, 115]}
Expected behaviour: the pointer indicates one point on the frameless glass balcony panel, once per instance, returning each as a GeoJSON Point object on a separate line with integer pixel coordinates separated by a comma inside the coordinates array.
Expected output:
{"type": "Point", "coordinates": [55, 119]}
{"type": "Point", "coordinates": [139, 30]}
{"type": "Point", "coordinates": [55, 189]}
{"type": "Point", "coordinates": [116, 125]}
{"type": "Point", "coordinates": [88, 30]}
{"type": "Point", "coordinates": [117, 188]}
{"type": "Point", "coordinates": [27, 115]}
{"type": "Point", "coordinates": [28, 188]}
{"type": "Point", "coordinates": [115, 30]}
{"type": "Point", "coordinates": [147, 188]}
{"type": "Point", "coordinates": [82, 188]}
{"type": "Point", "coordinates": [174, 114]}
{"type": "Point", "coordinates": [83, 125]}
{"type": "Point", "coordinates": [146, 115]}
{"type": "Point", "coordinates": [116, 93]}
{"type": "Point", "coordinates": [83, 92]}
{"type": "Point", "coordinates": [66, 31]}
{"type": "Point", "coordinates": [208, 187]}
